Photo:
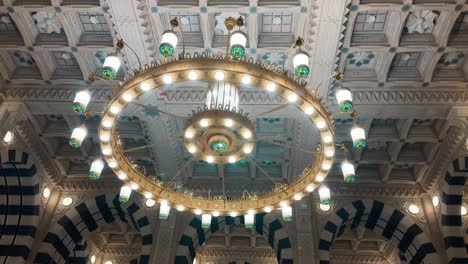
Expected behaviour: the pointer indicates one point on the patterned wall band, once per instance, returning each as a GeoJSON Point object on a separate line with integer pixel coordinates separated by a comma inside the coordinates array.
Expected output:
{"type": "Point", "coordinates": [414, 246]}
{"type": "Point", "coordinates": [451, 219]}
{"type": "Point", "coordinates": [19, 205]}
{"type": "Point", "coordinates": [269, 225]}
{"type": "Point", "coordinates": [65, 241]}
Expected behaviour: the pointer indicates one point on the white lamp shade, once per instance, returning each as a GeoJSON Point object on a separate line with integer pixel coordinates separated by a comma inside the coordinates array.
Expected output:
{"type": "Point", "coordinates": [249, 220]}
{"type": "Point", "coordinates": [125, 193]}
{"type": "Point", "coordinates": [324, 194]}
{"type": "Point", "coordinates": [343, 95]}
{"type": "Point", "coordinates": [9, 137]}
{"type": "Point", "coordinates": [287, 213]}
{"type": "Point", "coordinates": [238, 38]}
{"type": "Point", "coordinates": [77, 136]}
{"type": "Point", "coordinates": [96, 169]}
{"type": "Point", "coordinates": [169, 37]}
{"type": "Point", "coordinates": [348, 171]}
{"type": "Point", "coordinates": [164, 210]}
{"type": "Point", "coordinates": [112, 62]}
{"type": "Point", "coordinates": [81, 101]}
{"type": "Point", "coordinates": [359, 136]}
{"type": "Point", "coordinates": [206, 220]}
{"type": "Point", "coordinates": [301, 58]}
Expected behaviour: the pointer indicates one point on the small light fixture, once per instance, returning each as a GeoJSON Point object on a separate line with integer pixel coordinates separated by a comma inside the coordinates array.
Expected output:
{"type": "Point", "coordinates": [326, 166]}
{"type": "Point", "coordinates": [301, 64]}
{"type": "Point", "coordinates": [192, 75]}
{"type": "Point", "coordinates": [107, 123]}
{"type": "Point", "coordinates": [286, 211]}
{"type": "Point", "coordinates": [292, 97]}
{"type": "Point", "coordinates": [233, 214]}
{"type": "Point", "coordinates": [321, 124]}
{"type": "Point", "coordinates": [310, 188]}
{"type": "Point", "coordinates": [319, 178]}
{"type": "Point", "coordinates": [327, 139]}
{"type": "Point", "coordinates": [150, 203]}
{"type": "Point", "coordinates": [145, 86]}
{"type": "Point", "coordinates": [167, 79]}
{"type": "Point", "coordinates": [209, 159]}
{"type": "Point", "coordinates": [414, 209]}
{"type": "Point", "coordinates": [359, 137]}
{"type": "Point", "coordinates": [325, 207]}
{"type": "Point", "coordinates": [134, 186]}
{"type": "Point", "coordinates": [81, 101]}
{"type": "Point", "coordinates": [168, 43]}
{"type": "Point", "coordinates": [463, 211]}
{"type": "Point", "coordinates": [309, 110]}
{"type": "Point", "coordinates": [77, 136]}
{"type": "Point", "coordinates": [114, 109]}
{"type": "Point", "coordinates": [249, 219]}
{"type": "Point", "coordinates": [219, 75]}
{"type": "Point", "coordinates": [108, 262]}
{"type": "Point", "coordinates": [96, 169]}
{"type": "Point", "coordinates": [329, 153]}
{"type": "Point", "coordinates": [246, 79]}
{"type": "Point", "coordinates": [267, 209]}
{"type": "Point", "coordinates": [297, 197]}
{"type": "Point", "coordinates": [106, 151]}
{"type": "Point", "coordinates": [125, 193]}
{"type": "Point", "coordinates": [164, 210]}
{"type": "Point", "coordinates": [180, 208]}
{"type": "Point", "coordinates": [198, 211]}
{"type": "Point", "coordinates": [204, 122]}
{"type": "Point", "coordinates": [127, 97]}
{"type": "Point", "coordinates": [122, 176]}
{"type": "Point", "coordinates": [344, 99]}
{"type": "Point", "coordinates": [348, 171]}
{"type": "Point", "coordinates": [232, 159]}
{"type": "Point", "coordinates": [238, 42]}
{"type": "Point", "coordinates": [247, 134]}
{"type": "Point", "coordinates": [215, 213]}
{"type": "Point", "coordinates": [112, 164]}
{"type": "Point", "coordinates": [192, 149]}
{"type": "Point", "coordinates": [206, 220]}
{"type": "Point", "coordinates": [148, 195]}
{"type": "Point", "coordinates": [188, 134]}
{"type": "Point", "coordinates": [271, 87]}
{"type": "Point", "coordinates": [67, 201]}
{"type": "Point", "coordinates": [435, 200]}
{"type": "Point", "coordinates": [93, 259]}
{"type": "Point", "coordinates": [324, 193]}
{"type": "Point", "coordinates": [46, 193]}
{"type": "Point", "coordinates": [247, 149]}
{"type": "Point", "coordinates": [104, 137]}
{"type": "Point", "coordinates": [283, 203]}
{"type": "Point", "coordinates": [111, 66]}
{"type": "Point", "coordinates": [228, 122]}
{"type": "Point", "coordinates": [9, 138]}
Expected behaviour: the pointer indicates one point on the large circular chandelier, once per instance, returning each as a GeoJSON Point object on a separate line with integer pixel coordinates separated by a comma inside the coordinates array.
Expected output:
{"type": "Point", "coordinates": [220, 132]}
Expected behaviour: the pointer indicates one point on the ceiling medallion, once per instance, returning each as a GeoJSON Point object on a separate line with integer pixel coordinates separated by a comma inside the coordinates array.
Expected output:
{"type": "Point", "coordinates": [219, 133]}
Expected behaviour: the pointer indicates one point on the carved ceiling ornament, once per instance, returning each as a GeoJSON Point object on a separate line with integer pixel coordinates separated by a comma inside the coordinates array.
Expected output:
{"type": "Point", "coordinates": [421, 21]}
{"type": "Point", "coordinates": [47, 22]}
{"type": "Point", "coordinates": [359, 59]}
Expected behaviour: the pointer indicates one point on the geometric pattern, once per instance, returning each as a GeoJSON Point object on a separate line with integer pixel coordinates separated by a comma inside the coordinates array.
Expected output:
{"type": "Point", "coordinates": [451, 219]}
{"type": "Point", "coordinates": [65, 241]}
{"type": "Point", "coordinates": [19, 205]}
{"type": "Point", "coordinates": [268, 225]}
{"type": "Point", "coordinates": [414, 246]}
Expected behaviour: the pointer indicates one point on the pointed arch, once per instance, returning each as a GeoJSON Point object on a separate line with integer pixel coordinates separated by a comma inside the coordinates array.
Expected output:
{"type": "Point", "coordinates": [19, 204]}
{"type": "Point", "coordinates": [451, 218]}
{"type": "Point", "coordinates": [413, 244]}
{"type": "Point", "coordinates": [268, 225]}
{"type": "Point", "coordinates": [65, 240]}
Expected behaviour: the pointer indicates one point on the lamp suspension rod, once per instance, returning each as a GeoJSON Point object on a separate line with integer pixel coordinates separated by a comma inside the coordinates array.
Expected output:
{"type": "Point", "coordinates": [121, 44]}
{"type": "Point", "coordinates": [264, 172]}
{"type": "Point", "coordinates": [152, 145]}
{"type": "Point", "coordinates": [339, 76]}
{"type": "Point", "coordinates": [93, 78]}
{"type": "Point", "coordinates": [175, 23]}
{"type": "Point", "coordinates": [288, 146]}
{"type": "Point", "coordinates": [297, 43]}
{"type": "Point", "coordinates": [157, 110]}
{"type": "Point", "coordinates": [178, 173]}
{"type": "Point", "coordinates": [272, 110]}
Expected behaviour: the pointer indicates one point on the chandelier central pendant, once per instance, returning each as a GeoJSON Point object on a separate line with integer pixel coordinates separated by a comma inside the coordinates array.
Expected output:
{"type": "Point", "coordinates": [220, 132]}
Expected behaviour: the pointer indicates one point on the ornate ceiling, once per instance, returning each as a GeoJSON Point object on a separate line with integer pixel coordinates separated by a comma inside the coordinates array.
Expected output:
{"type": "Point", "coordinates": [404, 61]}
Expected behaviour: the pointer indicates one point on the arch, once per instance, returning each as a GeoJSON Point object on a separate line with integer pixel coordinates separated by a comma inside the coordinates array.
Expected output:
{"type": "Point", "coordinates": [413, 244]}
{"type": "Point", "coordinates": [451, 219]}
{"type": "Point", "coordinates": [19, 204]}
{"type": "Point", "coordinates": [65, 243]}
{"type": "Point", "coordinates": [269, 225]}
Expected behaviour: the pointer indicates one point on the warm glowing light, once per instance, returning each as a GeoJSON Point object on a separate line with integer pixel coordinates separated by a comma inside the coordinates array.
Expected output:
{"type": "Point", "coordinates": [232, 159]}
{"type": "Point", "coordinates": [320, 178]}
{"type": "Point", "coordinates": [108, 262]}
{"type": "Point", "coordinates": [81, 101]}
{"type": "Point", "coordinates": [271, 87]}
{"type": "Point", "coordinates": [125, 193]}
{"type": "Point", "coordinates": [210, 159]}
{"type": "Point", "coordinates": [292, 98]}
{"type": "Point", "coordinates": [46, 192]}
{"type": "Point", "coordinates": [310, 188]}
{"type": "Point", "coordinates": [286, 211]}
{"type": "Point", "coordinates": [325, 196]}
{"type": "Point", "coordinates": [192, 75]}
{"type": "Point", "coordinates": [93, 259]}
{"type": "Point", "coordinates": [164, 210]}
{"type": "Point", "coordinates": [198, 211]}
{"type": "Point", "coordinates": [267, 209]}
{"type": "Point", "coordinates": [359, 137]}
{"type": "Point", "coordinates": [204, 122]}
{"type": "Point", "coordinates": [9, 137]}
{"type": "Point", "coordinates": [77, 136]}
{"type": "Point", "coordinates": [321, 124]}
{"type": "Point", "coordinates": [134, 186]}
{"type": "Point", "coordinates": [96, 169]}
{"type": "Point", "coordinates": [106, 151]}
{"type": "Point", "coordinates": [463, 211]}
{"type": "Point", "coordinates": [67, 201]}
{"type": "Point", "coordinates": [167, 79]}
{"type": "Point", "coordinates": [301, 64]}
{"type": "Point", "coordinates": [114, 109]}
{"type": "Point", "coordinates": [111, 66]}
{"type": "Point", "coordinates": [219, 75]}
{"type": "Point", "coordinates": [122, 176]}
{"type": "Point", "coordinates": [246, 79]}
{"type": "Point", "coordinates": [127, 97]}
{"type": "Point", "coordinates": [435, 200]}
{"type": "Point", "coordinates": [238, 41]}
{"type": "Point", "coordinates": [150, 202]}
{"type": "Point", "coordinates": [215, 213]}
{"type": "Point", "coordinates": [326, 166]}
{"type": "Point", "coordinates": [192, 149]}
{"type": "Point", "coordinates": [145, 86]}
{"type": "Point", "coordinates": [148, 195]}
{"type": "Point", "coordinates": [233, 214]}
{"type": "Point", "coordinates": [344, 99]}
{"type": "Point", "coordinates": [247, 134]}
{"type": "Point", "coordinates": [180, 208]}
{"type": "Point", "coordinates": [283, 204]}
{"type": "Point", "coordinates": [348, 171]}
{"type": "Point", "coordinates": [414, 209]}
{"type": "Point", "coordinates": [168, 43]}
{"type": "Point", "coordinates": [249, 219]}
{"type": "Point", "coordinates": [228, 122]}
{"type": "Point", "coordinates": [297, 197]}
{"type": "Point", "coordinates": [107, 123]}
{"type": "Point", "coordinates": [206, 220]}
{"type": "Point", "coordinates": [327, 139]}
{"type": "Point", "coordinates": [329, 153]}
{"type": "Point", "coordinates": [309, 110]}
{"type": "Point", "coordinates": [247, 149]}
{"type": "Point", "coordinates": [188, 134]}
{"type": "Point", "coordinates": [325, 207]}
{"type": "Point", "coordinates": [112, 164]}
{"type": "Point", "coordinates": [104, 137]}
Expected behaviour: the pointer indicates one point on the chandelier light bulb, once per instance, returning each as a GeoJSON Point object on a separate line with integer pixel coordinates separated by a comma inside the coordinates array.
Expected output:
{"type": "Point", "coordinates": [325, 207]}
{"type": "Point", "coordinates": [348, 171]}
{"type": "Point", "coordinates": [122, 176]}
{"type": "Point", "coordinates": [267, 209]}
{"type": "Point", "coordinates": [247, 149]}
{"type": "Point", "coordinates": [198, 211]}
{"type": "Point", "coordinates": [238, 43]}
{"type": "Point", "coordinates": [219, 75]}
{"type": "Point", "coordinates": [324, 193]}
{"type": "Point", "coordinates": [286, 211]}
{"type": "Point", "coordinates": [283, 204]}
{"type": "Point", "coordinates": [150, 203]}
{"type": "Point", "coordinates": [145, 86]}
{"type": "Point", "coordinates": [192, 149]}
{"type": "Point", "coordinates": [301, 64]}
{"type": "Point", "coordinates": [134, 186]}
{"type": "Point", "coordinates": [77, 136]}
{"type": "Point", "coordinates": [81, 101]}
{"type": "Point", "coordinates": [164, 210]}
{"type": "Point", "coordinates": [167, 79]}
{"type": "Point", "coordinates": [125, 192]}
{"type": "Point", "coordinates": [127, 97]}
{"type": "Point", "coordinates": [359, 137]}
{"type": "Point", "coordinates": [249, 219]}
{"type": "Point", "coordinates": [327, 139]}
{"type": "Point", "coordinates": [215, 213]}
{"type": "Point", "coordinates": [310, 188]}
{"type": "Point", "coordinates": [321, 124]}
{"type": "Point", "coordinates": [111, 67]}
{"type": "Point", "coordinates": [204, 123]}
{"type": "Point", "coordinates": [233, 214]}
{"type": "Point", "coordinates": [148, 195]}
{"type": "Point", "coordinates": [67, 201]}
{"type": "Point", "coordinates": [463, 210]}
{"type": "Point", "coordinates": [414, 209]}
{"type": "Point", "coordinates": [168, 43]}
{"type": "Point", "coordinates": [326, 166]}
{"type": "Point", "coordinates": [309, 110]}
{"type": "Point", "coordinates": [107, 123]}
{"type": "Point", "coordinates": [180, 208]}
{"type": "Point", "coordinates": [292, 97]}
{"type": "Point", "coordinates": [246, 79]}
{"type": "Point", "coordinates": [112, 164]}
{"type": "Point", "coordinates": [435, 200]}
{"type": "Point", "coordinates": [206, 221]}
{"type": "Point", "coordinates": [192, 75]}
{"type": "Point", "coordinates": [228, 122]}
{"type": "Point", "coordinates": [104, 137]}
{"type": "Point", "coordinates": [344, 99]}
{"type": "Point", "coordinates": [210, 159]}
{"type": "Point", "coordinates": [247, 134]}
{"type": "Point", "coordinates": [46, 193]}
{"type": "Point", "coordinates": [271, 87]}
{"type": "Point", "coordinates": [320, 178]}
{"type": "Point", "coordinates": [297, 197]}
{"type": "Point", "coordinates": [96, 169]}
{"type": "Point", "coordinates": [329, 153]}
{"type": "Point", "coordinates": [9, 138]}
{"type": "Point", "coordinates": [106, 151]}
{"type": "Point", "coordinates": [232, 159]}
{"type": "Point", "coordinates": [188, 134]}
{"type": "Point", "coordinates": [114, 109]}
{"type": "Point", "coordinates": [93, 259]}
